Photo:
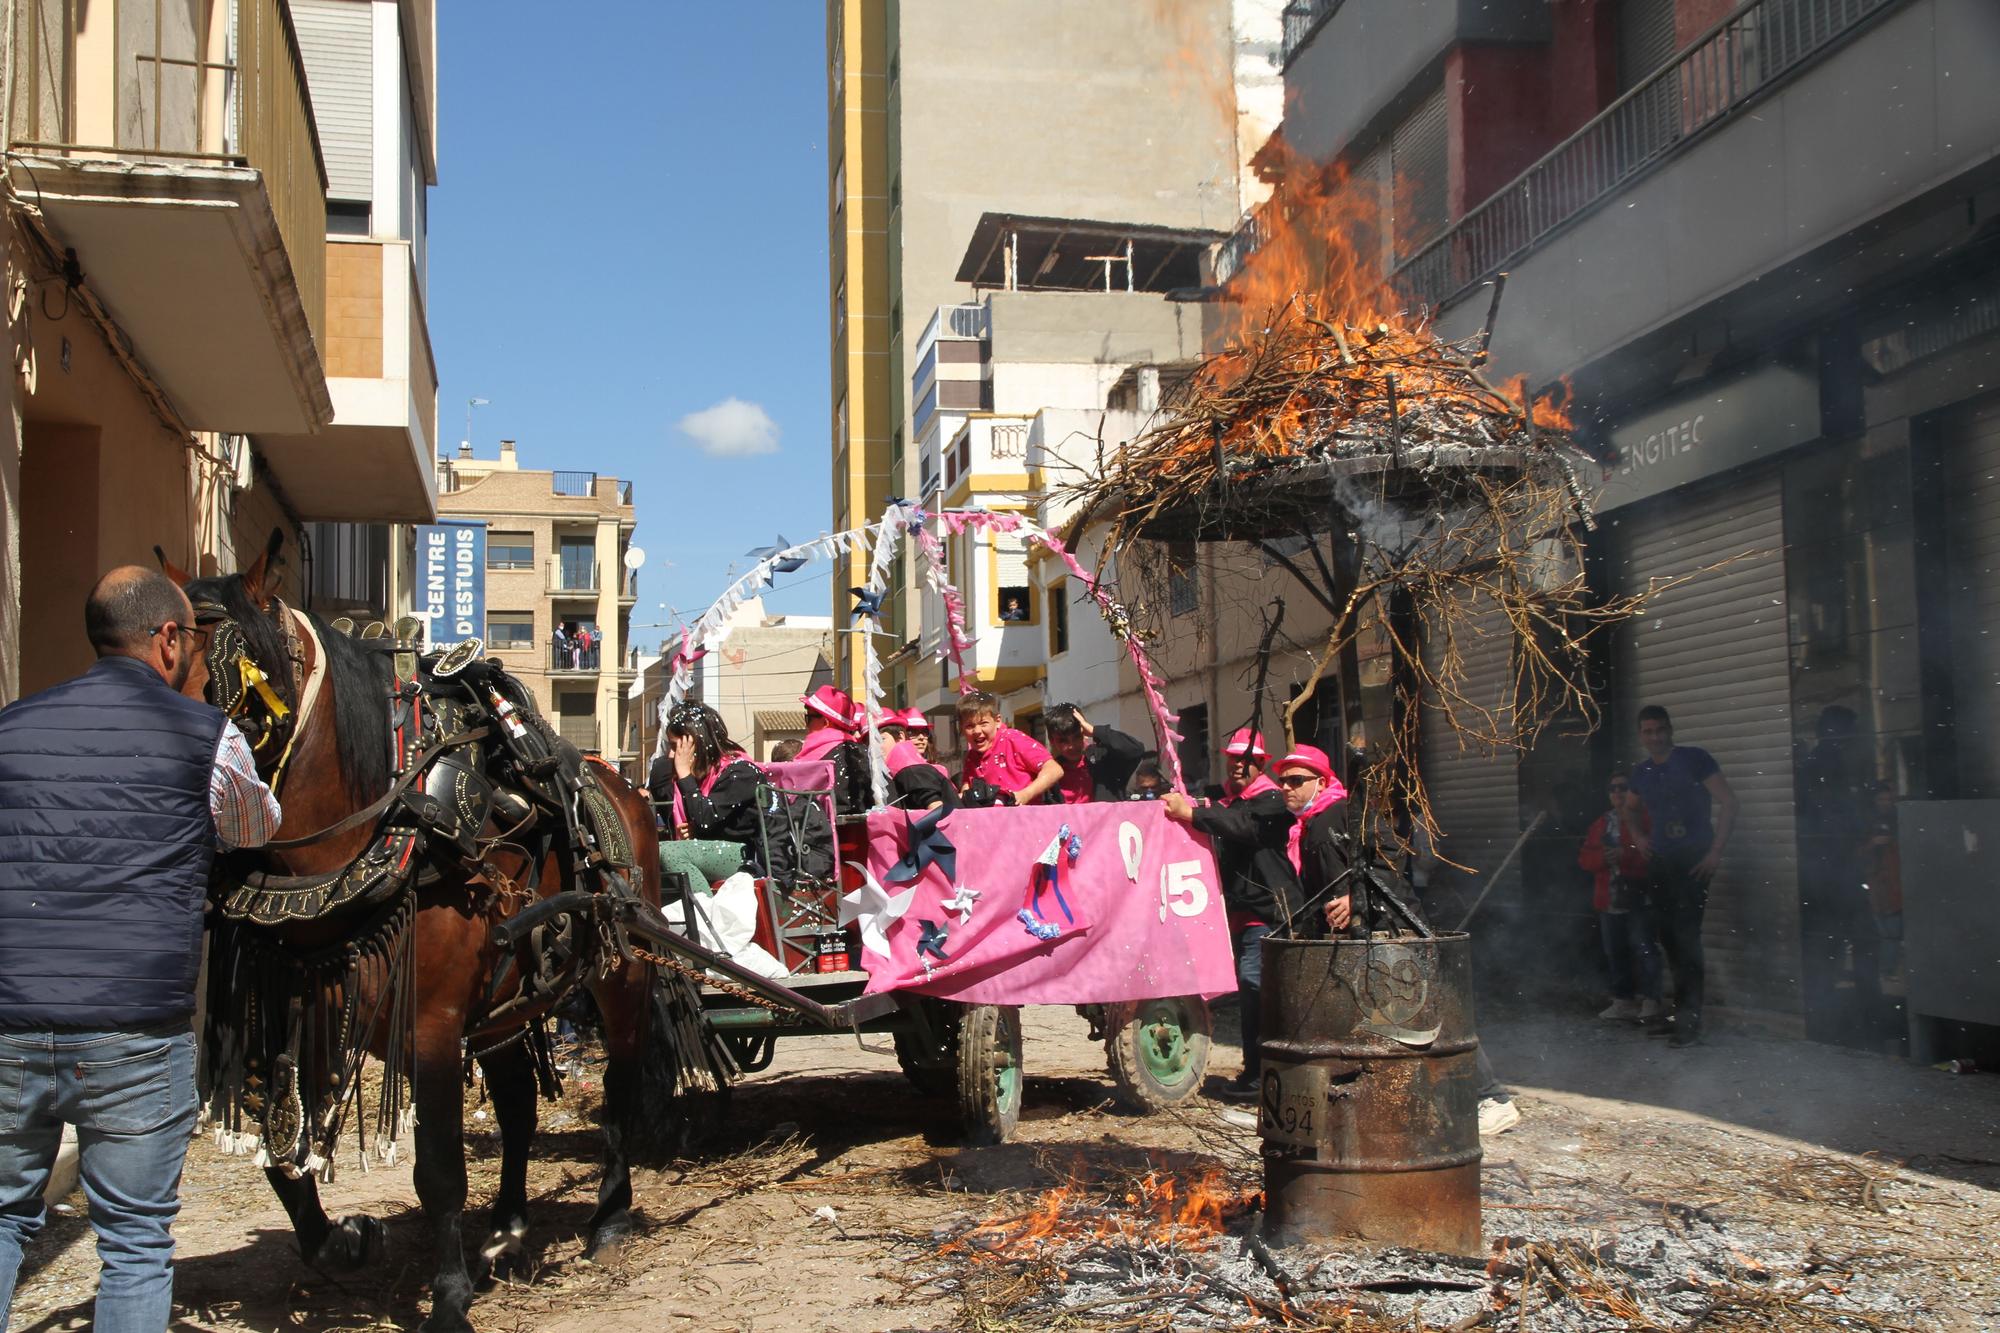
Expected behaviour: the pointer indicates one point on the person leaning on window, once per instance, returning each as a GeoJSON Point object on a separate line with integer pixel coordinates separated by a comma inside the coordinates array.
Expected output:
{"type": "Point", "coordinates": [115, 790]}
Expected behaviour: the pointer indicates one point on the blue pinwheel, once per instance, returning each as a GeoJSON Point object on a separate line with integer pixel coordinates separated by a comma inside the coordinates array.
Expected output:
{"type": "Point", "coordinates": [932, 938]}
{"type": "Point", "coordinates": [789, 565]}
{"type": "Point", "coordinates": [866, 603]}
{"type": "Point", "coordinates": [927, 846]}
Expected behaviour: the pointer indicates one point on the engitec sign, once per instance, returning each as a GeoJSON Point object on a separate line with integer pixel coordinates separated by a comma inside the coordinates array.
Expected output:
{"type": "Point", "coordinates": [451, 574]}
{"type": "Point", "coordinates": [1711, 430]}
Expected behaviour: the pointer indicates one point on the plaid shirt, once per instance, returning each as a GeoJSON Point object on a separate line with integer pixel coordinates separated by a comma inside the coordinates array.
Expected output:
{"type": "Point", "coordinates": [246, 813]}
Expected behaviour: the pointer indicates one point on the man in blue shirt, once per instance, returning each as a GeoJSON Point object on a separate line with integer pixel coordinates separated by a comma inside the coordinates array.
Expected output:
{"type": "Point", "coordinates": [1692, 811]}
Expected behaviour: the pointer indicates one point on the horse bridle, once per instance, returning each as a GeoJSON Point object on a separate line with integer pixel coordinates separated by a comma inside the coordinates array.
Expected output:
{"type": "Point", "coordinates": [242, 688]}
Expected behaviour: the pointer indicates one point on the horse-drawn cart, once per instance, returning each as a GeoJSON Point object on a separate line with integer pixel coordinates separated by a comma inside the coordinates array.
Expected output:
{"type": "Point", "coordinates": [821, 962]}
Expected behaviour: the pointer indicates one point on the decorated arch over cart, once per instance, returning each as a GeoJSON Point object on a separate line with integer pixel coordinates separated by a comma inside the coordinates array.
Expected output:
{"type": "Point", "coordinates": [906, 520]}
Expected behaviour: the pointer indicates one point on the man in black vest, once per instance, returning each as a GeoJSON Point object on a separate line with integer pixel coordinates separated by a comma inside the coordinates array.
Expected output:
{"type": "Point", "coordinates": [114, 792]}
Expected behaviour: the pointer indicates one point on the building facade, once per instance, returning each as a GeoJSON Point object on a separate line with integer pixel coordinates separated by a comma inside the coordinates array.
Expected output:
{"type": "Point", "coordinates": [939, 115]}
{"type": "Point", "coordinates": [171, 327]}
{"type": "Point", "coordinates": [1759, 242]}
{"type": "Point", "coordinates": [558, 591]}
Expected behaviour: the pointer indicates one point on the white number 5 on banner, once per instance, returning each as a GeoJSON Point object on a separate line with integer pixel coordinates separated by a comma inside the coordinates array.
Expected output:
{"type": "Point", "coordinates": [1181, 889]}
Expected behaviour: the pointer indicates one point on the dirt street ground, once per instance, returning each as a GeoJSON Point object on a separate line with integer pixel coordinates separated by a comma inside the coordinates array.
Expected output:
{"type": "Point", "coordinates": [1750, 1136]}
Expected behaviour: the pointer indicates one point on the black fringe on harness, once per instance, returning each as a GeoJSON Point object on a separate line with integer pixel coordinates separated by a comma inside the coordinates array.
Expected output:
{"type": "Point", "coordinates": [287, 1037]}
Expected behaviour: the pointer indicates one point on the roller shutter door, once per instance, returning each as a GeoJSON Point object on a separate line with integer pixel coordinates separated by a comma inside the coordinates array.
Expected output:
{"type": "Point", "coordinates": [337, 39]}
{"type": "Point", "coordinates": [1714, 653]}
{"type": "Point", "coordinates": [1972, 537]}
{"type": "Point", "coordinates": [1475, 797]}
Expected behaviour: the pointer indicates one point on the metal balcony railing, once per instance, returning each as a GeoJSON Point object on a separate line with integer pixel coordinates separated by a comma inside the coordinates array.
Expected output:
{"type": "Point", "coordinates": [571, 657]}
{"type": "Point", "coordinates": [1746, 55]}
{"type": "Point", "coordinates": [1302, 20]}
{"type": "Point", "coordinates": [573, 483]}
{"type": "Point", "coordinates": [625, 492]}
{"type": "Point", "coordinates": [570, 576]}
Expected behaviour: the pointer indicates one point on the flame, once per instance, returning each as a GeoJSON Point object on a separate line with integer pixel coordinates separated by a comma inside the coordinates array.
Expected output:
{"type": "Point", "coordinates": [1323, 239]}
{"type": "Point", "coordinates": [1158, 1208]}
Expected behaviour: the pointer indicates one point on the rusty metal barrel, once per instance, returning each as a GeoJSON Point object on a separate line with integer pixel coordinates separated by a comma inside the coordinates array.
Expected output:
{"type": "Point", "coordinates": [1369, 1104]}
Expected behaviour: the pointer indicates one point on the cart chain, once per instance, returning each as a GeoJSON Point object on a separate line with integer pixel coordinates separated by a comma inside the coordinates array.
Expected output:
{"type": "Point", "coordinates": [703, 977]}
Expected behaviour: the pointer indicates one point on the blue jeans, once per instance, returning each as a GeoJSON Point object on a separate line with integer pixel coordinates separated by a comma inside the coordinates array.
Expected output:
{"type": "Point", "coordinates": [131, 1097]}
{"type": "Point", "coordinates": [1632, 953]}
{"type": "Point", "coordinates": [1250, 992]}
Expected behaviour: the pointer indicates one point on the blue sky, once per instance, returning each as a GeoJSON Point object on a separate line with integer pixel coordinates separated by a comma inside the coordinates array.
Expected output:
{"type": "Point", "coordinates": [629, 232]}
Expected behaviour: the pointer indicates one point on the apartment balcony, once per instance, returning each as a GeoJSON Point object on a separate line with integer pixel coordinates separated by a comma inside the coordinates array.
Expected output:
{"type": "Point", "coordinates": [373, 463]}
{"type": "Point", "coordinates": [989, 453]}
{"type": "Point", "coordinates": [569, 581]}
{"type": "Point", "coordinates": [183, 168]}
{"type": "Point", "coordinates": [569, 661]}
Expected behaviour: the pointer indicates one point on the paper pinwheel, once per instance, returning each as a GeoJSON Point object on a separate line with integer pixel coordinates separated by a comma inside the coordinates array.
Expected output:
{"type": "Point", "coordinates": [875, 908]}
{"type": "Point", "coordinates": [934, 936]}
{"type": "Point", "coordinates": [962, 901]}
{"type": "Point", "coordinates": [866, 603]}
{"type": "Point", "coordinates": [789, 565]}
{"type": "Point", "coordinates": [927, 846]}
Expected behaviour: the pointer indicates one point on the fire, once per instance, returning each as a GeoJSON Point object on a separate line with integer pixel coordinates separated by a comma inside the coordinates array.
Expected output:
{"type": "Point", "coordinates": [1322, 238]}
{"type": "Point", "coordinates": [1157, 1208]}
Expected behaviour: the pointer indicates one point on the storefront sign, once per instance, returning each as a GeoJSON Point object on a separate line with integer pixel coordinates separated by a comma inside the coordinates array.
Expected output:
{"type": "Point", "coordinates": [451, 580]}
{"type": "Point", "coordinates": [1709, 430]}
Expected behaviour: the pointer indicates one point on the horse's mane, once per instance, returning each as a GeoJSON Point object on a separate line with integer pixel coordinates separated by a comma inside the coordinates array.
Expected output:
{"type": "Point", "coordinates": [360, 680]}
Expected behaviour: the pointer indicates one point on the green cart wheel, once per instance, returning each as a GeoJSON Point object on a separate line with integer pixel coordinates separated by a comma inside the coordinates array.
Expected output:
{"type": "Point", "coordinates": [989, 1071]}
{"type": "Point", "coordinates": [1157, 1050]}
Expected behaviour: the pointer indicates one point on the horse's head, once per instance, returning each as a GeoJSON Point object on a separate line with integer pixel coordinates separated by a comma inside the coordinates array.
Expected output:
{"type": "Point", "coordinates": [248, 668]}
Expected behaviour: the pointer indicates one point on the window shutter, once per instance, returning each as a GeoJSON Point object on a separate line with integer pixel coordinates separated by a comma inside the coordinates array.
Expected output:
{"type": "Point", "coordinates": [337, 40]}
{"type": "Point", "coordinates": [1422, 167]}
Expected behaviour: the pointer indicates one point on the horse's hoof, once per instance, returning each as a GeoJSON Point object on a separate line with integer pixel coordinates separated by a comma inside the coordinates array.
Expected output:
{"type": "Point", "coordinates": [354, 1241]}
{"type": "Point", "coordinates": [607, 1238]}
{"type": "Point", "coordinates": [504, 1255]}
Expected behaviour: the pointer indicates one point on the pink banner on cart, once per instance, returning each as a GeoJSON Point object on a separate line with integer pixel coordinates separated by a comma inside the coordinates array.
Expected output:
{"type": "Point", "coordinates": [1132, 908]}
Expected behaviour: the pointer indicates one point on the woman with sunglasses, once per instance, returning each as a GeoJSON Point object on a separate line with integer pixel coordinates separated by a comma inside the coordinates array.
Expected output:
{"type": "Point", "coordinates": [1615, 852]}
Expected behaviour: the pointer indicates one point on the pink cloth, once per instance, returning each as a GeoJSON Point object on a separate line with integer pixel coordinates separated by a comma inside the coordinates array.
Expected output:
{"type": "Point", "coordinates": [1331, 794]}
{"type": "Point", "coordinates": [902, 755]}
{"type": "Point", "coordinates": [1152, 930]}
{"type": "Point", "coordinates": [817, 743]}
{"type": "Point", "coordinates": [1010, 763]}
{"type": "Point", "coordinates": [1261, 783]}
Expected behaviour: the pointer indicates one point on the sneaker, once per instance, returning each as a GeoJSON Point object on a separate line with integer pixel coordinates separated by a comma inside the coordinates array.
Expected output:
{"type": "Point", "coordinates": [1497, 1115]}
{"type": "Point", "coordinates": [1662, 1026]}
{"type": "Point", "coordinates": [1651, 1011]}
{"type": "Point", "coordinates": [1621, 1011]}
{"type": "Point", "coordinates": [1689, 1036]}
{"type": "Point", "coordinates": [1239, 1119]}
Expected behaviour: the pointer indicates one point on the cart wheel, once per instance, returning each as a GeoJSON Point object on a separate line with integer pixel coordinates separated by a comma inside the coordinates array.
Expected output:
{"type": "Point", "coordinates": [989, 1071]}
{"type": "Point", "coordinates": [1158, 1049]}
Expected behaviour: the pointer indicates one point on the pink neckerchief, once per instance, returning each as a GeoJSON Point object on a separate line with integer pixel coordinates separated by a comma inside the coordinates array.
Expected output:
{"type": "Point", "coordinates": [1329, 795]}
{"type": "Point", "coordinates": [1258, 785]}
{"type": "Point", "coordinates": [818, 743]}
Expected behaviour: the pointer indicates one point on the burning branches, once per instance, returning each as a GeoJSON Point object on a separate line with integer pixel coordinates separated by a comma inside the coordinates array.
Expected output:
{"type": "Point", "coordinates": [1452, 506]}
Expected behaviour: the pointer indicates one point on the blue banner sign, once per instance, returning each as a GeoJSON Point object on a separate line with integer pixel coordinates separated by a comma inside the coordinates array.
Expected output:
{"type": "Point", "coordinates": [451, 580]}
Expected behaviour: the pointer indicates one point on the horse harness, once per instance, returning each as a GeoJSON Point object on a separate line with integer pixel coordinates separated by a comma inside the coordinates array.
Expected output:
{"type": "Point", "coordinates": [477, 773]}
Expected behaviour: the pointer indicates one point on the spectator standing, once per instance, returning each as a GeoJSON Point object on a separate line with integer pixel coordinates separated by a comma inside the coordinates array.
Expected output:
{"type": "Point", "coordinates": [1693, 812]}
{"type": "Point", "coordinates": [115, 790]}
{"type": "Point", "coordinates": [1149, 781]}
{"type": "Point", "coordinates": [1614, 852]}
{"type": "Point", "coordinates": [1311, 793]}
{"type": "Point", "coordinates": [1251, 831]}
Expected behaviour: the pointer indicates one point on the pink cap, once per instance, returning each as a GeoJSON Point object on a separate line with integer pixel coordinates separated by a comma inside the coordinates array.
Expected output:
{"type": "Point", "coordinates": [1309, 757]}
{"type": "Point", "coordinates": [831, 704]}
{"type": "Point", "coordinates": [915, 720]}
{"type": "Point", "coordinates": [1244, 741]}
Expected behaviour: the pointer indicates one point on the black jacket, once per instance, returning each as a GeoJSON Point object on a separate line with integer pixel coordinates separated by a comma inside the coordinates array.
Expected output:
{"type": "Point", "coordinates": [1322, 861]}
{"type": "Point", "coordinates": [1112, 757]}
{"type": "Point", "coordinates": [920, 786]}
{"type": "Point", "coordinates": [728, 812]}
{"type": "Point", "coordinates": [1252, 839]}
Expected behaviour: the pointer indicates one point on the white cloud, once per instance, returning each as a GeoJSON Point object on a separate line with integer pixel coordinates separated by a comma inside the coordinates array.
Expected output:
{"type": "Point", "coordinates": [731, 429]}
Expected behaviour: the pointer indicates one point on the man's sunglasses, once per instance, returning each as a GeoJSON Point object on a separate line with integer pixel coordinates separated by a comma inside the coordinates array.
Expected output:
{"type": "Point", "coordinates": [1146, 794]}
{"type": "Point", "coordinates": [195, 632]}
{"type": "Point", "coordinates": [1297, 779]}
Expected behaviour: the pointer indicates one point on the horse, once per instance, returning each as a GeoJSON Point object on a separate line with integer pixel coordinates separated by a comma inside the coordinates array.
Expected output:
{"type": "Point", "coordinates": [337, 762]}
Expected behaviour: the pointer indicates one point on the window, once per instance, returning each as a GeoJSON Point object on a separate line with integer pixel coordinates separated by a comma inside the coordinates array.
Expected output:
{"type": "Point", "coordinates": [348, 217]}
{"type": "Point", "coordinates": [510, 631]}
{"type": "Point", "coordinates": [840, 308]}
{"type": "Point", "coordinates": [1183, 590]}
{"type": "Point", "coordinates": [1013, 593]}
{"type": "Point", "coordinates": [1058, 617]}
{"type": "Point", "coordinates": [578, 569]}
{"type": "Point", "coordinates": [510, 550]}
